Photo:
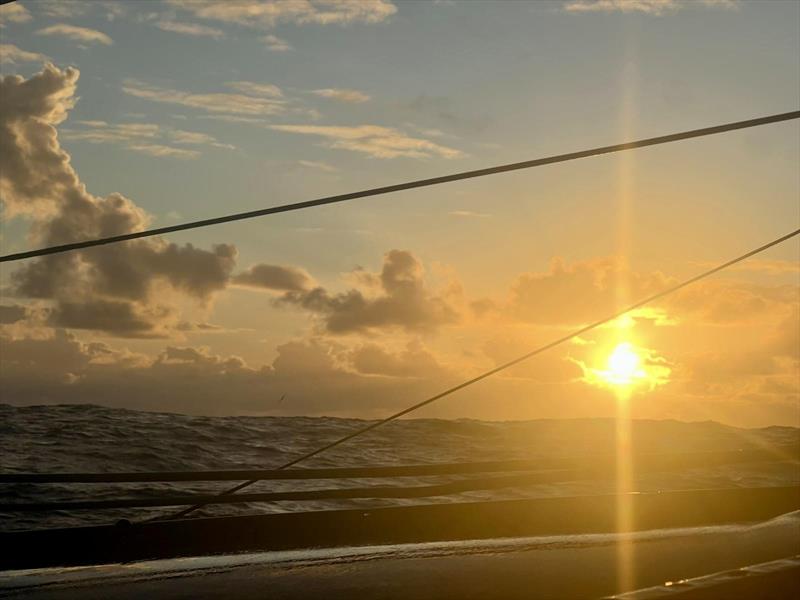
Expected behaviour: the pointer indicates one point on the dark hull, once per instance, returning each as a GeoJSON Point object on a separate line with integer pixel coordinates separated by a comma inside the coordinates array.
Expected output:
{"type": "Point", "coordinates": [427, 523]}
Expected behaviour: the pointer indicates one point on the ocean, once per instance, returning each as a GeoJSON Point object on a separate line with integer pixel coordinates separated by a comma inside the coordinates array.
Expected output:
{"type": "Point", "coordinates": [90, 438]}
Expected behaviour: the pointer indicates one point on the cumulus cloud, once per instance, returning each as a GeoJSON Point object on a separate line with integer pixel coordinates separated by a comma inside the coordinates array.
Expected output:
{"type": "Point", "coordinates": [35, 364]}
{"type": "Point", "coordinates": [77, 34]}
{"type": "Point", "coordinates": [130, 289]}
{"type": "Point", "coordinates": [11, 54]}
{"type": "Point", "coordinates": [14, 13]}
{"type": "Point", "coordinates": [652, 7]}
{"type": "Point", "coordinates": [559, 296]}
{"type": "Point", "coordinates": [741, 371]}
{"type": "Point", "coordinates": [375, 141]}
{"type": "Point", "coordinates": [11, 313]}
{"type": "Point", "coordinates": [36, 170]}
{"type": "Point", "coordinates": [276, 44]}
{"type": "Point", "coordinates": [342, 95]}
{"type": "Point", "coordinates": [275, 277]}
{"type": "Point", "coordinates": [414, 361]}
{"type": "Point", "coordinates": [731, 302]}
{"type": "Point", "coordinates": [268, 14]}
{"type": "Point", "coordinates": [757, 370]}
{"type": "Point", "coordinates": [217, 102]}
{"type": "Point", "coordinates": [396, 297]}
{"type": "Point", "coordinates": [193, 29]}
{"type": "Point", "coordinates": [314, 377]}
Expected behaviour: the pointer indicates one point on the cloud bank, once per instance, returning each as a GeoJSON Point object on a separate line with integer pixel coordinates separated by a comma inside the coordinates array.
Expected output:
{"type": "Point", "coordinates": [130, 289]}
{"type": "Point", "coordinates": [270, 13]}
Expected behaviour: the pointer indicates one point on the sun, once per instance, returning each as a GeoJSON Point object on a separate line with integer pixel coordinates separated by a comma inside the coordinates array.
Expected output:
{"type": "Point", "coordinates": [624, 366]}
{"type": "Point", "coordinates": [627, 367]}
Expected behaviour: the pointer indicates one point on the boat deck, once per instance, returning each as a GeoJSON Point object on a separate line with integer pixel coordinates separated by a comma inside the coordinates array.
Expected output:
{"type": "Point", "coordinates": [557, 566]}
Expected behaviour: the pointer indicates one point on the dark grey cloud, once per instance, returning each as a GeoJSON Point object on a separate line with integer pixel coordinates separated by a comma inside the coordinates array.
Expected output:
{"type": "Point", "coordinates": [400, 299]}
{"type": "Point", "coordinates": [115, 317]}
{"type": "Point", "coordinates": [116, 289]}
{"type": "Point", "coordinates": [11, 313]}
{"type": "Point", "coordinates": [313, 375]}
{"type": "Point", "coordinates": [275, 277]}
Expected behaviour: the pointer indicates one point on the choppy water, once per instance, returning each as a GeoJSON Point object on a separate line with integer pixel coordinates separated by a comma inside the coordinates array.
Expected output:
{"type": "Point", "coordinates": [88, 438]}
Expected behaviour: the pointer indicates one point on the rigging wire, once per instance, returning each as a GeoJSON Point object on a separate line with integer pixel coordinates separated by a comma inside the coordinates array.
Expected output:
{"type": "Point", "coordinates": [664, 139]}
{"type": "Point", "coordinates": [502, 367]}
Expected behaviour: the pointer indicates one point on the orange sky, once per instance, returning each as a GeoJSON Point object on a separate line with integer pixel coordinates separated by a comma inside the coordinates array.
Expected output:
{"type": "Point", "coordinates": [362, 309]}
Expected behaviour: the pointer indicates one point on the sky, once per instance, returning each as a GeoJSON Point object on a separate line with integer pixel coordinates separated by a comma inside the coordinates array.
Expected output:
{"type": "Point", "coordinates": [119, 116]}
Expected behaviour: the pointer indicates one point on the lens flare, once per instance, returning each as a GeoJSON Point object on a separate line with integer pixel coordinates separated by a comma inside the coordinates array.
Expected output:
{"type": "Point", "coordinates": [624, 366]}
{"type": "Point", "coordinates": [628, 368]}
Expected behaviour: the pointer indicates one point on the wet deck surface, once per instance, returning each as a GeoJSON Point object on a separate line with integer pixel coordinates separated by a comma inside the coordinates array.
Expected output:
{"type": "Point", "coordinates": [540, 567]}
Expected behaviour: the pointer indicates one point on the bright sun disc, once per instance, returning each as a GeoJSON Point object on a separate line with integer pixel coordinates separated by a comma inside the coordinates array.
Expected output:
{"type": "Point", "coordinates": [624, 366]}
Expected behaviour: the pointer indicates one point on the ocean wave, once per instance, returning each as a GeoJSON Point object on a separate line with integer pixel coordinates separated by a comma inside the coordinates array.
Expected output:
{"type": "Point", "coordinates": [91, 438]}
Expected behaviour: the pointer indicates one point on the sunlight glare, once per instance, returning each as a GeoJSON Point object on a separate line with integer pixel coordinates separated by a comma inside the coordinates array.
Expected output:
{"type": "Point", "coordinates": [624, 366]}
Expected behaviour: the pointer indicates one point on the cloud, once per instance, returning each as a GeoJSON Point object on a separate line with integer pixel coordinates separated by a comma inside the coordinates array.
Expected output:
{"type": "Point", "coordinates": [414, 361]}
{"type": "Point", "coordinates": [116, 317]}
{"type": "Point", "coordinates": [49, 362]}
{"type": "Point", "coordinates": [99, 132]}
{"type": "Point", "coordinates": [559, 295]}
{"type": "Point", "coordinates": [142, 138]}
{"type": "Point", "coordinates": [132, 289]}
{"type": "Point", "coordinates": [71, 9]}
{"type": "Point", "coordinates": [14, 13]}
{"type": "Point", "coordinates": [342, 95]}
{"type": "Point", "coordinates": [744, 373]}
{"type": "Point", "coordinates": [63, 9]}
{"type": "Point", "coordinates": [78, 34]}
{"type": "Point", "coordinates": [268, 14]}
{"type": "Point", "coordinates": [275, 277]}
{"type": "Point", "coordinates": [732, 302]}
{"type": "Point", "coordinates": [235, 119]}
{"type": "Point", "coordinates": [193, 29]}
{"type": "Point", "coordinates": [11, 54]}
{"type": "Point", "coordinates": [160, 151]}
{"type": "Point", "coordinates": [397, 297]}
{"type": "Point", "coordinates": [314, 377]}
{"type": "Point", "coordinates": [276, 44]}
{"type": "Point", "coordinates": [375, 141]}
{"type": "Point", "coordinates": [35, 171]}
{"type": "Point", "coordinates": [11, 313]}
{"type": "Point", "coordinates": [252, 88]}
{"type": "Point", "coordinates": [652, 7]}
{"type": "Point", "coordinates": [193, 137]}
{"type": "Point", "coordinates": [548, 368]}
{"type": "Point", "coordinates": [236, 104]}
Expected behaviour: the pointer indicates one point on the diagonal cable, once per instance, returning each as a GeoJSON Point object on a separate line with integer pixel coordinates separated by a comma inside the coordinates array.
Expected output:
{"type": "Point", "coordinates": [538, 162]}
{"type": "Point", "coordinates": [505, 366]}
